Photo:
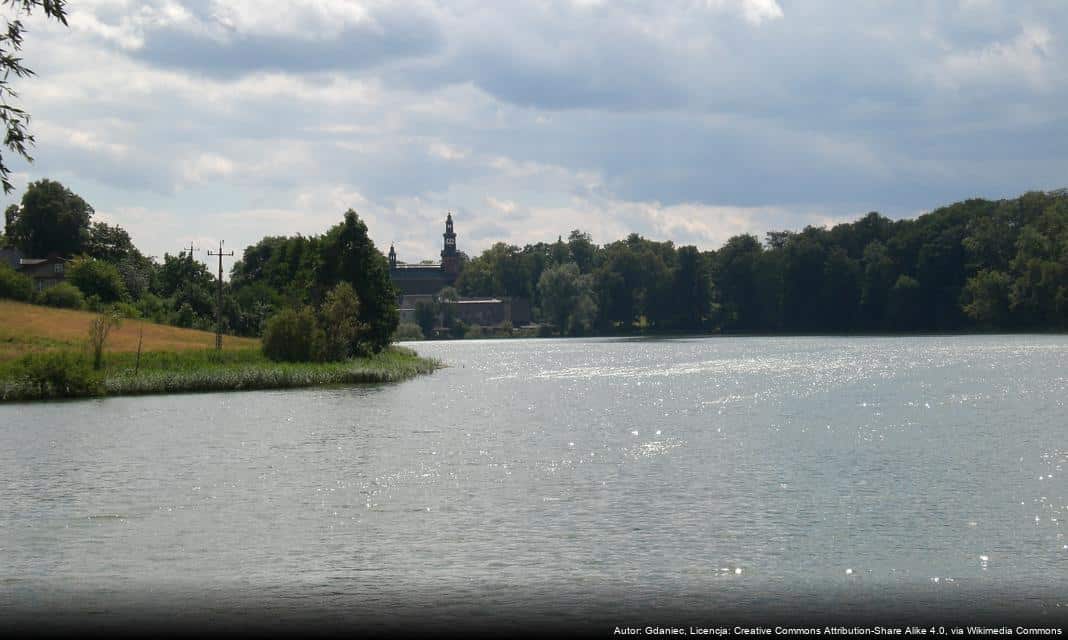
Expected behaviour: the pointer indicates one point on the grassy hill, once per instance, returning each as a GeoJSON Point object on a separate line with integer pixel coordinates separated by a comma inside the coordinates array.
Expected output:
{"type": "Point", "coordinates": [26, 328]}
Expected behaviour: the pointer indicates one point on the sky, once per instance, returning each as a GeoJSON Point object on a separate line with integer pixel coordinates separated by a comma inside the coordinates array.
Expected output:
{"type": "Point", "coordinates": [684, 120]}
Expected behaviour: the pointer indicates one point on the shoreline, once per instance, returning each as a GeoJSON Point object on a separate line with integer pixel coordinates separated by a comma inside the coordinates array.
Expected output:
{"type": "Point", "coordinates": [798, 334]}
{"type": "Point", "coordinates": [199, 371]}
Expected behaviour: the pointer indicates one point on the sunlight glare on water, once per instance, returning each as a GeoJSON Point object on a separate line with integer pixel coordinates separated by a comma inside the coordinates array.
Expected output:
{"type": "Point", "coordinates": [628, 469]}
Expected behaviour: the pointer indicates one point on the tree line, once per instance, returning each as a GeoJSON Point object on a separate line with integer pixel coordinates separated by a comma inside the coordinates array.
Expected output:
{"type": "Point", "coordinates": [973, 265]}
{"type": "Point", "coordinates": [335, 288]}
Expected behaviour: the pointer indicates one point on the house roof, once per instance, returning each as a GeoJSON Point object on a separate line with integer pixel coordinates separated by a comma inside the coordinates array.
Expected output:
{"type": "Point", "coordinates": [29, 262]}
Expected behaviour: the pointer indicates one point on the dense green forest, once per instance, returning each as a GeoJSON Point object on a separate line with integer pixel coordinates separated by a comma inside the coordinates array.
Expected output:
{"type": "Point", "coordinates": [973, 265]}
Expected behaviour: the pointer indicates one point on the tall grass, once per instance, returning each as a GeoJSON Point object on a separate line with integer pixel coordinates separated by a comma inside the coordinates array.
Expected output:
{"type": "Point", "coordinates": [208, 370]}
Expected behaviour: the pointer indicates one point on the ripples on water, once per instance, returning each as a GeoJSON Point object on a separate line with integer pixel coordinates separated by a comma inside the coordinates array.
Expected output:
{"type": "Point", "coordinates": [673, 473]}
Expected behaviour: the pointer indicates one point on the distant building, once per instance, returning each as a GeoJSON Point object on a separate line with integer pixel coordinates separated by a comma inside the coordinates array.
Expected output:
{"type": "Point", "coordinates": [427, 279]}
{"type": "Point", "coordinates": [45, 272]}
{"type": "Point", "coordinates": [422, 282]}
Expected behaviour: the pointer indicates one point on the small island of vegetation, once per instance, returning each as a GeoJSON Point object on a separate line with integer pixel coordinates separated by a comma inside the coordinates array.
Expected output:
{"type": "Point", "coordinates": [92, 318]}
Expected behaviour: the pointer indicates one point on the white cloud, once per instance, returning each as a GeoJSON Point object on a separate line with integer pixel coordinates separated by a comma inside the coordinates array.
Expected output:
{"type": "Point", "coordinates": [1026, 57]}
{"type": "Point", "coordinates": [446, 151]}
{"type": "Point", "coordinates": [753, 11]}
{"type": "Point", "coordinates": [51, 134]}
{"type": "Point", "coordinates": [305, 19]}
{"type": "Point", "coordinates": [206, 166]}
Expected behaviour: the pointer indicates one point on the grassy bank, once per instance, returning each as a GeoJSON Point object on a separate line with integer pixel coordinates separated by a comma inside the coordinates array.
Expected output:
{"type": "Point", "coordinates": [67, 374]}
{"type": "Point", "coordinates": [43, 356]}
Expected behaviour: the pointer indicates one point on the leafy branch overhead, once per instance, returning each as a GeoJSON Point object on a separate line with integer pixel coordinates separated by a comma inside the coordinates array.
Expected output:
{"type": "Point", "coordinates": [15, 120]}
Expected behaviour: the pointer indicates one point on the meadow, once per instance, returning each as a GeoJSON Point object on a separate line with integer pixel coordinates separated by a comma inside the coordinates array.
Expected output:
{"type": "Point", "coordinates": [27, 328]}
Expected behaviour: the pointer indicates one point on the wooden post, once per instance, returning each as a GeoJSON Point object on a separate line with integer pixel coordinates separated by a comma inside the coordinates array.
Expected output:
{"type": "Point", "coordinates": [218, 303]}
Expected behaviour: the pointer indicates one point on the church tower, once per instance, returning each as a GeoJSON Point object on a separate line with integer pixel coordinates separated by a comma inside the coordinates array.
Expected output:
{"type": "Point", "coordinates": [392, 257]}
{"type": "Point", "coordinates": [450, 260]}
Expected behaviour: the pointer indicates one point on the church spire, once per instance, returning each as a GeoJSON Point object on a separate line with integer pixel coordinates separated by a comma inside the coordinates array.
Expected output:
{"type": "Point", "coordinates": [450, 260]}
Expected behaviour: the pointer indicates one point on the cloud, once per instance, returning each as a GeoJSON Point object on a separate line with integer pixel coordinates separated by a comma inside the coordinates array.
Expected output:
{"type": "Point", "coordinates": [230, 39]}
{"type": "Point", "coordinates": [754, 11]}
{"type": "Point", "coordinates": [1026, 57]}
{"type": "Point", "coordinates": [207, 166]}
{"type": "Point", "coordinates": [689, 120]}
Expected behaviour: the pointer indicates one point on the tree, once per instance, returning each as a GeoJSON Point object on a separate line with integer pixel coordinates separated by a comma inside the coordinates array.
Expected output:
{"type": "Point", "coordinates": [339, 319]}
{"type": "Point", "coordinates": [446, 303]}
{"type": "Point", "coordinates": [51, 219]}
{"type": "Point", "coordinates": [691, 291]}
{"type": "Point", "coordinates": [14, 285]}
{"type": "Point", "coordinates": [905, 305]}
{"type": "Point", "coordinates": [348, 254]}
{"type": "Point", "coordinates": [190, 287]}
{"type": "Point", "coordinates": [99, 329]}
{"type": "Point", "coordinates": [876, 280]}
{"type": "Point", "coordinates": [735, 278]}
{"type": "Point", "coordinates": [582, 249]}
{"type": "Point", "coordinates": [110, 243]}
{"type": "Point", "coordinates": [841, 291]}
{"type": "Point", "coordinates": [96, 278]}
{"type": "Point", "coordinates": [986, 298]}
{"type": "Point", "coordinates": [567, 298]}
{"type": "Point", "coordinates": [17, 138]}
{"type": "Point", "coordinates": [559, 291]}
{"type": "Point", "coordinates": [1040, 290]}
{"type": "Point", "coordinates": [426, 316]}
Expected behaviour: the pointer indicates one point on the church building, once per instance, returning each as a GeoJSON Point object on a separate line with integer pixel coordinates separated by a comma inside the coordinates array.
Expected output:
{"type": "Point", "coordinates": [422, 282]}
{"type": "Point", "coordinates": [427, 279]}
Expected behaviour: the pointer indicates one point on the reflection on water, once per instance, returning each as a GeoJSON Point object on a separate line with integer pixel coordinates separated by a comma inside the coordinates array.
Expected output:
{"type": "Point", "coordinates": [562, 473]}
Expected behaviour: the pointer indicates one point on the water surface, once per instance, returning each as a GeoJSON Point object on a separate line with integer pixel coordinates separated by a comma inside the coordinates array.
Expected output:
{"type": "Point", "coordinates": [564, 478]}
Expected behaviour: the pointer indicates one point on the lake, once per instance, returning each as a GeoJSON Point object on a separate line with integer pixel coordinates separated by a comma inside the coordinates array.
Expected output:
{"type": "Point", "coordinates": [591, 482]}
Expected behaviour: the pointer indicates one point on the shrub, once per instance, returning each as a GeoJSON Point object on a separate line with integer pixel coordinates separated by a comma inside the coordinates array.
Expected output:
{"type": "Point", "coordinates": [183, 316]}
{"type": "Point", "coordinates": [339, 321]}
{"type": "Point", "coordinates": [152, 307]}
{"type": "Point", "coordinates": [426, 314]}
{"type": "Point", "coordinates": [293, 336]}
{"type": "Point", "coordinates": [127, 310]}
{"type": "Point", "coordinates": [14, 285]}
{"type": "Point", "coordinates": [64, 296]}
{"type": "Point", "coordinates": [408, 331]}
{"type": "Point", "coordinates": [97, 278]}
{"type": "Point", "coordinates": [60, 373]}
{"type": "Point", "coordinates": [99, 330]}
{"type": "Point", "coordinates": [474, 331]}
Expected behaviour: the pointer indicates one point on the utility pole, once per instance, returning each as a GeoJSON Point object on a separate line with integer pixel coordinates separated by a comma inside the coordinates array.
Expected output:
{"type": "Point", "coordinates": [218, 304]}
{"type": "Point", "coordinates": [141, 323]}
